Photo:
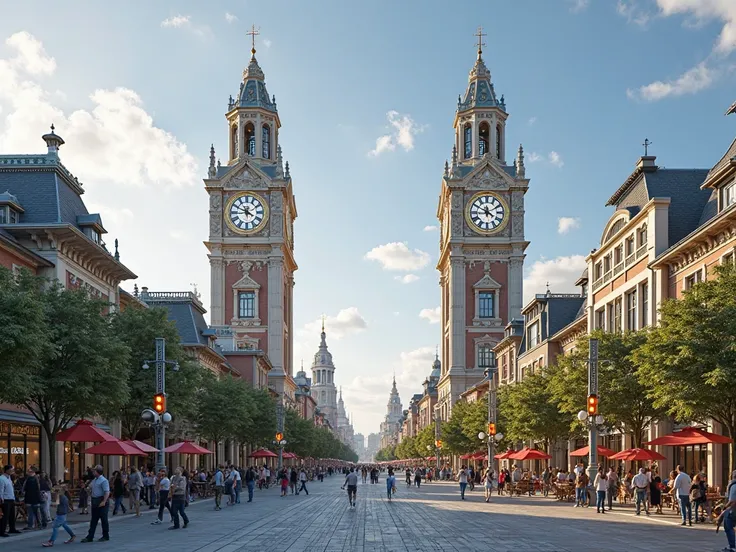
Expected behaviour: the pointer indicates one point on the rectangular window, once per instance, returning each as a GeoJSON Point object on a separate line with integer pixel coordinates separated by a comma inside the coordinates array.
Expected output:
{"type": "Point", "coordinates": [3, 215]}
{"type": "Point", "coordinates": [642, 235]}
{"type": "Point", "coordinates": [629, 245]}
{"type": "Point", "coordinates": [644, 305]}
{"type": "Point", "coordinates": [727, 259]}
{"type": "Point", "coordinates": [600, 319]}
{"type": "Point", "coordinates": [598, 271]}
{"type": "Point", "coordinates": [609, 317]}
{"type": "Point", "coordinates": [631, 311]}
{"type": "Point", "coordinates": [617, 315]}
{"type": "Point", "coordinates": [533, 336]}
{"type": "Point", "coordinates": [485, 356]}
{"type": "Point", "coordinates": [606, 263]}
{"type": "Point", "coordinates": [695, 278]}
{"type": "Point", "coordinates": [618, 255]}
{"type": "Point", "coordinates": [13, 216]}
{"type": "Point", "coordinates": [729, 195]}
{"type": "Point", "coordinates": [247, 304]}
{"type": "Point", "coordinates": [485, 304]}
{"type": "Point", "coordinates": [504, 368]}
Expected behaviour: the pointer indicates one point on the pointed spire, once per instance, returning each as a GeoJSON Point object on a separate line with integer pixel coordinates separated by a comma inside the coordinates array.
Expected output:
{"type": "Point", "coordinates": [436, 352]}
{"type": "Point", "coordinates": [279, 163]}
{"type": "Point", "coordinates": [447, 168]}
{"type": "Point", "coordinates": [117, 254]}
{"type": "Point", "coordinates": [135, 290]}
{"type": "Point", "coordinates": [454, 156]}
{"type": "Point", "coordinates": [212, 171]}
{"type": "Point", "coordinates": [287, 175]}
{"type": "Point", "coordinates": [520, 169]}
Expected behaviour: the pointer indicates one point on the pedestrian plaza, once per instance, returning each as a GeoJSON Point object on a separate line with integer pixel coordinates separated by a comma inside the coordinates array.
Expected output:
{"type": "Point", "coordinates": [429, 518]}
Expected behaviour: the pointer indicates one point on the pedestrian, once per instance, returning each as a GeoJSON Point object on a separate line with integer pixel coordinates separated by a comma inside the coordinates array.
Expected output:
{"type": "Point", "coordinates": [682, 491]}
{"type": "Point", "coordinates": [7, 502]}
{"type": "Point", "coordinates": [293, 478]}
{"type": "Point", "coordinates": [62, 510]}
{"type": "Point", "coordinates": [164, 486]}
{"type": "Point", "coordinates": [150, 482]}
{"type": "Point", "coordinates": [601, 487]}
{"type": "Point", "coordinates": [229, 482]}
{"type": "Point", "coordinates": [390, 483]}
{"type": "Point", "coordinates": [488, 482]}
{"type": "Point", "coordinates": [237, 485]}
{"type": "Point", "coordinates": [728, 516]}
{"type": "Point", "coordinates": [581, 488]}
{"type": "Point", "coordinates": [100, 491]}
{"type": "Point", "coordinates": [699, 496]}
{"type": "Point", "coordinates": [417, 478]}
{"type": "Point", "coordinates": [45, 486]}
{"type": "Point", "coordinates": [219, 487]}
{"type": "Point", "coordinates": [655, 493]}
{"type": "Point", "coordinates": [32, 500]}
{"type": "Point", "coordinates": [118, 492]}
{"type": "Point", "coordinates": [462, 478]}
{"type": "Point", "coordinates": [612, 490]}
{"type": "Point", "coordinates": [640, 483]}
{"type": "Point", "coordinates": [303, 480]}
{"type": "Point", "coordinates": [284, 479]}
{"type": "Point", "coordinates": [135, 485]}
{"type": "Point", "coordinates": [178, 495]}
{"type": "Point", "coordinates": [83, 497]}
{"type": "Point", "coordinates": [250, 482]}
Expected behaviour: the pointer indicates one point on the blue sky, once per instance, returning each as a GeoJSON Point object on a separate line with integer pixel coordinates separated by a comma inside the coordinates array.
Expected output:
{"type": "Point", "coordinates": [139, 90]}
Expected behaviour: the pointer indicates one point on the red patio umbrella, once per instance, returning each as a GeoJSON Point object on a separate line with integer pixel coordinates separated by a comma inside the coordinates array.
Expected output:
{"type": "Point", "coordinates": [187, 447]}
{"type": "Point", "coordinates": [505, 455]}
{"type": "Point", "coordinates": [263, 453]}
{"type": "Point", "coordinates": [140, 445]}
{"type": "Point", "coordinates": [480, 455]}
{"type": "Point", "coordinates": [637, 454]}
{"type": "Point", "coordinates": [690, 436]}
{"type": "Point", "coordinates": [288, 455]}
{"type": "Point", "coordinates": [585, 451]}
{"type": "Point", "coordinates": [115, 448]}
{"type": "Point", "coordinates": [84, 431]}
{"type": "Point", "coordinates": [465, 456]}
{"type": "Point", "coordinates": [529, 454]}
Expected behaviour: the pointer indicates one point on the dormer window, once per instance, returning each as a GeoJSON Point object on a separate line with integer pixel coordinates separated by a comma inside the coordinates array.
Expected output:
{"type": "Point", "coordinates": [93, 234]}
{"type": "Point", "coordinates": [729, 195]}
{"type": "Point", "coordinates": [8, 215]}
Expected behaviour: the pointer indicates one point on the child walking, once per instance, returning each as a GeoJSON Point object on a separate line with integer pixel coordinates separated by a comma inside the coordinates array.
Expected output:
{"type": "Point", "coordinates": [62, 510]}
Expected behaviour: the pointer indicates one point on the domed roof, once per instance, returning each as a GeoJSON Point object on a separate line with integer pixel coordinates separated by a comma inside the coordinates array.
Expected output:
{"type": "Point", "coordinates": [253, 92]}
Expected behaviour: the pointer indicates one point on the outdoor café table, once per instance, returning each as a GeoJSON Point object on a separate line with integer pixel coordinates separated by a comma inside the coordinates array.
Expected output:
{"type": "Point", "coordinates": [202, 488]}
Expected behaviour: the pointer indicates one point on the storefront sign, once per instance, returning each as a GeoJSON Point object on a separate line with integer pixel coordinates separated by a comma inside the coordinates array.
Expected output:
{"type": "Point", "coordinates": [14, 450]}
{"type": "Point", "coordinates": [19, 429]}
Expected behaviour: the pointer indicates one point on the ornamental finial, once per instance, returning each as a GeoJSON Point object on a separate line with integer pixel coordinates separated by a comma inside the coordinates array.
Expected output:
{"type": "Point", "coordinates": [480, 34]}
{"type": "Point", "coordinates": [212, 171]}
{"type": "Point", "coordinates": [520, 169]}
{"type": "Point", "coordinates": [253, 33]}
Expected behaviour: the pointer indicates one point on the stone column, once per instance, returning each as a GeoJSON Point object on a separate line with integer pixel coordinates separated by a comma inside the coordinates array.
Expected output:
{"type": "Point", "coordinates": [276, 319]}
{"type": "Point", "coordinates": [217, 305]}
{"type": "Point", "coordinates": [457, 312]}
{"type": "Point", "coordinates": [516, 287]}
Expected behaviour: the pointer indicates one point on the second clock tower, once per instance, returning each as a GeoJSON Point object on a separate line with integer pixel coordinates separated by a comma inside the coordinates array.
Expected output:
{"type": "Point", "coordinates": [481, 214]}
{"type": "Point", "coordinates": [251, 243]}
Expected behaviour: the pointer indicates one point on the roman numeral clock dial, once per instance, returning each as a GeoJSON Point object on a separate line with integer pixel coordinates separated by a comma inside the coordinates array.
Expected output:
{"type": "Point", "coordinates": [246, 213]}
{"type": "Point", "coordinates": [487, 213]}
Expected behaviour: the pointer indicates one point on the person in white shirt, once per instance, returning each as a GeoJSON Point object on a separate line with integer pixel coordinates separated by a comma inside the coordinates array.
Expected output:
{"type": "Point", "coordinates": [601, 486]}
{"type": "Point", "coordinates": [682, 490]}
{"type": "Point", "coordinates": [726, 518]}
{"type": "Point", "coordinates": [641, 484]}
{"type": "Point", "coordinates": [462, 478]}
{"type": "Point", "coordinates": [303, 481]}
{"type": "Point", "coordinates": [7, 502]}
{"type": "Point", "coordinates": [238, 485]}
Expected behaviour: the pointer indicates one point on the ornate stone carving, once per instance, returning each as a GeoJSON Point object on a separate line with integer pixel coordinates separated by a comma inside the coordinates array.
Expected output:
{"type": "Point", "coordinates": [517, 224]}
{"type": "Point", "coordinates": [215, 202]}
{"type": "Point", "coordinates": [276, 202]}
{"type": "Point", "coordinates": [215, 225]}
{"type": "Point", "coordinates": [277, 224]}
{"type": "Point", "coordinates": [457, 227]}
{"type": "Point", "coordinates": [457, 200]}
{"type": "Point", "coordinates": [246, 180]}
{"type": "Point", "coordinates": [517, 201]}
{"type": "Point", "coordinates": [488, 180]}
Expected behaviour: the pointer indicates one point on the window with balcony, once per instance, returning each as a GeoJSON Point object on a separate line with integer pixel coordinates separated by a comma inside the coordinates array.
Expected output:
{"type": "Point", "coordinates": [598, 271]}
{"type": "Point", "coordinates": [644, 304]}
{"type": "Point", "coordinates": [246, 304]}
{"type": "Point", "coordinates": [533, 336]}
{"type": "Point", "coordinates": [641, 236]}
{"type": "Point", "coordinates": [630, 245]}
{"type": "Point", "coordinates": [617, 315]}
{"type": "Point", "coordinates": [618, 255]}
{"type": "Point", "coordinates": [607, 264]}
{"type": "Point", "coordinates": [631, 311]}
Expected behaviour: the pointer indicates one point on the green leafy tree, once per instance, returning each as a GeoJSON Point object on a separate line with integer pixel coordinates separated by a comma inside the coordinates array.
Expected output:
{"type": "Point", "coordinates": [425, 438]}
{"type": "Point", "coordinates": [407, 448]}
{"type": "Point", "coordinates": [386, 454]}
{"type": "Point", "coordinates": [624, 401]}
{"type": "Point", "coordinates": [138, 328]}
{"type": "Point", "coordinates": [688, 362]}
{"type": "Point", "coordinates": [530, 412]}
{"type": "Point", "coordinates": [262, 407]}
{"type": "Point", "coordinates": [299, 433]}
{"type": "Point", "coordinates": [80, 367]}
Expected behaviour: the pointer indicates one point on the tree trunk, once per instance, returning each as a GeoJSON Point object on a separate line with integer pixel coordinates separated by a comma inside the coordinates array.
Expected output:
{"type": "Point", "coordinates": [51, 437]}
{"type": "Point", "coordinates": [732, 449]}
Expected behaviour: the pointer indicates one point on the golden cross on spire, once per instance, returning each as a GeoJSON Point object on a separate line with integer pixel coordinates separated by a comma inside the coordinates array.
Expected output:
{"type": "Point", "coordinates": [323, 323]}
{"type": "Point", "coordinates": [253, 33]}
{"type": "Point", "coordinates": [480, 34]}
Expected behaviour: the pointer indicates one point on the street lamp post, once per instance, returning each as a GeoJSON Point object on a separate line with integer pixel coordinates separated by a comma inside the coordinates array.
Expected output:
{"type": "Point", "coordinates": [280, 441]}
{"type": "Point", "coordinates": [437, 438]}
{"type": "Point", "coordinates": [490, 373]}
{"type": "Point", "coordinates": [157, 419]}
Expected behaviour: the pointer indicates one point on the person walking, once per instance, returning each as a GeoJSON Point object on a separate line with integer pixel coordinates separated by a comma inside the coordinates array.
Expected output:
{"type": "Point", "coordinates": [581, 489]}
{"type": "Point", "coordinates": [682, 491]}
{"type": "Point", "coordinates": [178, 494]}
{"type": "Point", "coordinates": [293, 478]}
{"type": "Point", "coordinates": [118, 492]}
{"type": "Point", "coordinates": [640, 483]}
{"type": "Point", "coordinates": [32, 500]}
{"type": "Point", "coordinates": [418, 477]}
{"type": "Point", "coordinates": [612, 490]}
{"type": "Point", "coordinates": [45, 486]}
{"type": "Point", "coordinates": [150, 483]}
{"type": "Point", "coordinates": [390, 483]}
{"type": "Point", "coordinates": [164, 486]}
{"type": "Point", "coordinates": [303, 481]}
{"type": "Point", "coordinates": [100, 491]}
{"type": "Point", "coordinates": [728, 516]}
{"type": "Point", "coordinates": [462, 478]}
{"type": "Point", "coordinates": [135, 485]}
{"type": "Point", "coordinates": [601, 487]}
{"type": "Point", "coordinates": [351, 481]}
{"type": "Point", "coordinates": [250, 482]}
{"type": "Point", "coordinates": [488, 483]}
{"type": "Point", "coordinates": [219, 487]}
{"type": "Point", "coordinates": [7, 502]}
{"type": "Point", "coordinates": [62, 510]}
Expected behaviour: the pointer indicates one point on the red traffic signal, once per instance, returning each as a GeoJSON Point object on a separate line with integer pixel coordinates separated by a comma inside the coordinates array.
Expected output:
{"type": "Point", "coordinates": [592, 405]}
{"type": "Point", "coordinates": [491, 428]}
{"type": "Point", "coordinates": [159, 403]}
{"type": "Point", "coordinates": [279, 437]}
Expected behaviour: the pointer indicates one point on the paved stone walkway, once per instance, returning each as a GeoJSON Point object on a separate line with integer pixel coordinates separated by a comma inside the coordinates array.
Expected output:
{"type": "Point", "coordinates": [432, 518]}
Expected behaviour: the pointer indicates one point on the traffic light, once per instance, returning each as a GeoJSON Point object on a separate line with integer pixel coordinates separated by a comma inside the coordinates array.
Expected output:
{"type": "Point", "coordinates": [279, 437]}
{"type": "Point", "coordinates": [438, 443]}
{"type": "Point", "coordinates": [592, 405]}
{"type": "Point", "coordinates": [491, 428]}
{"type": "Point", "coordinates": [159, 403]}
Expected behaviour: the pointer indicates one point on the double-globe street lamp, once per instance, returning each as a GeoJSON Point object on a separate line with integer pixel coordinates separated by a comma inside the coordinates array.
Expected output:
{"type": "Point", "coordinates": [491, 435]}
{"type": "Point", "coordinates": [158, 417]}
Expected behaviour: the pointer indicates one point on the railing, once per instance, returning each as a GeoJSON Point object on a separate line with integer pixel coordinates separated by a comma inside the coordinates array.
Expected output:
{"type": "Point", "coordinates": [618, 269]}
{"type": "Point", "coordinates": [628, 262]}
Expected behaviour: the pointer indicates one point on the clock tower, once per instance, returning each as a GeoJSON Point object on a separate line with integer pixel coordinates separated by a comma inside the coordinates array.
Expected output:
{"type": "Point", "coordinates": [481, 215]}
{"type": "Point", "coordinates": [251, 242]}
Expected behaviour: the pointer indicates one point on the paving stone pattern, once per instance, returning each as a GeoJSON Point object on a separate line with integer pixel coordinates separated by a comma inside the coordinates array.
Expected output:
{"type": "Point", "coordinates": [432, 518]}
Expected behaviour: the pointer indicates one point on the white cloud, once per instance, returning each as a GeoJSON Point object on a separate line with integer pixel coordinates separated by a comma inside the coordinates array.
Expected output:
{"type": "Point", "coordinates": [177, 234]}
{"type": "Point", "coordinates": [692, 81]}
{"type": "Point", "coordinates": [347, 322]}
{"type": "Point", "coordinates": [31, 55]}
{"type": "Point", "coordinates": [633, 12]}
{"type": "Point", "coordinates": [113, 215]}
{"type": "Point", "coordinates": [578, 5]}
{"type": "Point", "coordinates": [432, 316]}
{"type": "Point", "coordinates": [533, 157]}
{"type": "Point", "coordinates": [561, 273]}
{"type": "Point", "coordinates": [398, 256]}
{"type": "Point", "coordinates": [531, 121]}
{"type": "Point", "coordinates": [555, 159]}
{"type": "Point", "coordinates": [407, 278]}
{"type": "Point", "coordinates": [412, 368]}
{"type": "Point", "coordinates": [177, 21]}
{"type": "Point", "coordinates": [403, 130]}
{"type": "Point", "coordinates": [565, 224]}
{"type": "Point", "coordinates": [431, 228]}
{"type": "Point", "coordinates": [705, 10]}
{"type": "Point", "coordinates": [230, 18]}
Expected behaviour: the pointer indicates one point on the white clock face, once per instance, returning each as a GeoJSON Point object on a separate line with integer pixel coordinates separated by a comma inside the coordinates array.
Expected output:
{"type": "Point", "coordinates": [486, 213]}
{"type": "Point", "coordinates": [246, 212]}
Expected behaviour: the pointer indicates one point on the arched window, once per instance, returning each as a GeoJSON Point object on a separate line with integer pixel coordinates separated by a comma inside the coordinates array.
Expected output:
{"type": "Point", "coordinates": [266, 142]}
{"type": "Point", "coordinates": [499, 136]}
{"type": "Point", "coordinates": [468, 138]}
{"type": "Point", "coordinates": [483, 138]}
{"type": "Point", "coordinates": [250, 139]}
{"type": "Point", "coordinates": [234, 142]}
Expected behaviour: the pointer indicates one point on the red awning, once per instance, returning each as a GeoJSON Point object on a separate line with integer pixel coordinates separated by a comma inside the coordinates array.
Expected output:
{"type": "Point", "coordinates": [479, 456]}
{"type": "Point", "coordinates": [115, 448]}
{"type": "Point", "coordinates": [637, 454]}
{"type": "Point", "coordinates": [187, 447]}
{"type": "Point", "coordinates": [690, 436]}
{"type": "Point", "coordinates": [288, 455]}
{"type": "Point", "coordinates": [140, 445]}
{"type": "Point", "coordinates": [263, 453]}
{"type": "Point", "coordinates": [84, 431]}
{"type": "Point", "coordinates": [505, 455]}
{"type": "Point", "coordinates": [529, 454]}
{"type": "Point", "coordinates": [465, 456]}
{"type": "Point", "coordinates": [585, 451]}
